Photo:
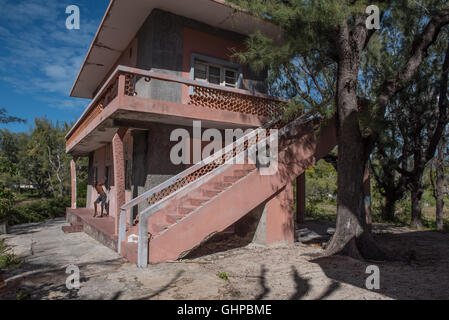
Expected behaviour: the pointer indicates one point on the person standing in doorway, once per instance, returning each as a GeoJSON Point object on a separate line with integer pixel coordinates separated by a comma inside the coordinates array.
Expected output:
{"type": "Point", "coordinates": [102, 197]}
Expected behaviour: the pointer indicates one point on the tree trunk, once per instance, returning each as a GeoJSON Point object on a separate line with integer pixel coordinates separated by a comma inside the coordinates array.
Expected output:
{"type": "Point", "coordinates": [439, 212]}
{"type": "Point", "coordinates": [389, 209]}
{"type": "Point", "coordinates": [439, 186]}
{"type": "Point", "coordinates": [416, 193]}
{"type": "Point", "coordinates": [367, 197]}
{"type": "Point", "coordinates": [351, 236]}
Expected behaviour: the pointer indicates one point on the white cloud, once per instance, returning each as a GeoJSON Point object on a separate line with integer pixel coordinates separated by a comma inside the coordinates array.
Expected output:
{"type": "Point", "coordinates": [38, 54]}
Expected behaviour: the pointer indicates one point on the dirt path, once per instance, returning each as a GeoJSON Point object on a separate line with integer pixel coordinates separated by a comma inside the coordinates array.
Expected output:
{"type": "Point", "coordinates": [254, 272]}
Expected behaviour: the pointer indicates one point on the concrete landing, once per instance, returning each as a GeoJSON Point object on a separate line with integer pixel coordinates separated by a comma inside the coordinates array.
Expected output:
{"type": "Point", "coordinates": [101, 229]}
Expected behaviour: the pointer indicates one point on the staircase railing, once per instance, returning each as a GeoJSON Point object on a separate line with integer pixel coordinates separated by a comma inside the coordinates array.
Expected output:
{"type": "Point", "coordinates": [189, 175]}
{"type": "Point", "coordinates": [198, 174]}
{"type": "Point", "coordinates": [148, 212]}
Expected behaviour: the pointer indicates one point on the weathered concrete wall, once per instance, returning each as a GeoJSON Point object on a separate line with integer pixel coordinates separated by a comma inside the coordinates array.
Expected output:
{"type": "Point", "coordinates": [151, 163]}
{"type": "Point", "coordinates": [164, 46]}
{"type": "Point", "coordinates": [160, 49]}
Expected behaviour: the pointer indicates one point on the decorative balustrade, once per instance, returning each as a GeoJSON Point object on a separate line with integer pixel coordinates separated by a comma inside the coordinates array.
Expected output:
{"type": "Point", "coordinates": [212, 96]}
{"type": "Point", "coordinates": [231, 101]}
{"type": "Point", "coordinates": [123, 82]}
{"type": "Point", "coordinates": [109, 93]}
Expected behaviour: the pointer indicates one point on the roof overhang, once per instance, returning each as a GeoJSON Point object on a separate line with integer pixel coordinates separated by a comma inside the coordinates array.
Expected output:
{"type": "Point", "coordinates": [123, 19]}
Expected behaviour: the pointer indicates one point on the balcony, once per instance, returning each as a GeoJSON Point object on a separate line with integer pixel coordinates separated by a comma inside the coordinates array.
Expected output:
{"type": "Point", "coordinates": [135, 98]}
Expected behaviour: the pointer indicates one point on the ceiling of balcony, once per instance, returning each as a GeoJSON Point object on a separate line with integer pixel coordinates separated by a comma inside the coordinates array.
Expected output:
{"type": "Point", "coordinates": [123, 19]}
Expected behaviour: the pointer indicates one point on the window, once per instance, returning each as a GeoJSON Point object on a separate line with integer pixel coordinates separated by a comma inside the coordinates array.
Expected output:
{"type": "Point", "coordinates": [215, 74]}
{"type": "Point", "coordinates": [230, 78]}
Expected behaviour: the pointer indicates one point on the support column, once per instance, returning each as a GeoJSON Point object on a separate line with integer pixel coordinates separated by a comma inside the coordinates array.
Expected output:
{"type": "Point", "coordinates": [300, 198]}
{"type": "Point", "coordinates": [73, 182]}
{"type": "Point", "coordinates": [280, 217]}
{"type": "Point", "coordinates": [118, 191]}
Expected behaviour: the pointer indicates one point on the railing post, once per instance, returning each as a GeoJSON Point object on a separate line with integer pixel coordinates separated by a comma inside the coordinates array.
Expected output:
{"type": "Point", "coordinates": [142, 251]}
{"type": "Point", "coordinates": [122, 230]}
{"type": "Point", "coordinates": [121, 88]}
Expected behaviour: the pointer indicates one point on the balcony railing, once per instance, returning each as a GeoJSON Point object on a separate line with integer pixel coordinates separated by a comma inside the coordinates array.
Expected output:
{"type": "Point", "coordinates": [123, 82]}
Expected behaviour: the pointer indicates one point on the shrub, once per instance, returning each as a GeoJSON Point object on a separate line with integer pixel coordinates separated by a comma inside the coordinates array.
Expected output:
{"type": "Point", "coordinates": [40, 210]}
{"type": "Point", "coordinates": [7, 201]}
{"type": "Point", "coordinates": [7, 259]}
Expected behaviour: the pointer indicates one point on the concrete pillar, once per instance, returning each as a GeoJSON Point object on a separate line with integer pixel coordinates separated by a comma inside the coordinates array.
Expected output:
{"type": "Point", "coordinates": [73, 182]}
{"type": "Point", "coordinates": [280, 216]}
{"type": "Point", "coordinates": [300, 198]}
{"type": "Point", "coordinates": [117, 196]}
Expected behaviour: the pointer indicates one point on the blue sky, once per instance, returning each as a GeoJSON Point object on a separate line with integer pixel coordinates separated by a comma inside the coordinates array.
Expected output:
{"type": "Point", "coordinates": [40, 57]}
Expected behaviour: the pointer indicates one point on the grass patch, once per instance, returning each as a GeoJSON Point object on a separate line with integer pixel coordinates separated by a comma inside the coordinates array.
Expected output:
{"type": "Point", "coordinates": [321, 211]}
{"type": "Point", "coordinates": [223, 276]}
{"type": "Point", "coordinates": [22, 294]}
{"type": "Point", "coordinates": [8, 260]}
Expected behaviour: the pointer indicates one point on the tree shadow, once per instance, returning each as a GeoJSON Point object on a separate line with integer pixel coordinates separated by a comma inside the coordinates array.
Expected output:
{"type": "Point", "coordinates": [263, 283]}
{"type": "Point", "coordinates": [50, 283]}
{"type": "Point", "coordinates": [301, 285]}
{"type": "Point", "coordinates": [334, 286]}
{"type": "Point", "coordinates": [419, 272]}
{"type": "Point", "coordinates": [164, 288]}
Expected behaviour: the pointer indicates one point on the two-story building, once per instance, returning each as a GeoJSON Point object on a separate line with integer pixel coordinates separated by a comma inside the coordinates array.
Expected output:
{"type": "Point", "coordinates": [155, 66]}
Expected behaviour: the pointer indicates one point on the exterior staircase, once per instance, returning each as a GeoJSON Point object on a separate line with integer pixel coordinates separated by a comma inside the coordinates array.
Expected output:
{"type": "Point", "coordinates": [212, 195]}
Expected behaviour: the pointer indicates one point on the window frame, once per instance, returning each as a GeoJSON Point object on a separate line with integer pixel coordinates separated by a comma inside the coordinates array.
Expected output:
{"type": "Point", "coordinates": [223, 65]}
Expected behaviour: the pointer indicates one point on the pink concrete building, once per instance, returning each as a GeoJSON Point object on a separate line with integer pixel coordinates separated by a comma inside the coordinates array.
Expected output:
{"type": "Point", "coordinates": [155, 66]}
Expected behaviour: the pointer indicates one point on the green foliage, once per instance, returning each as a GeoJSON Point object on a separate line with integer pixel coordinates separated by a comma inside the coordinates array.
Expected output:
{"type": "Point", "coordinates": [8, 260]}
{"type": "Point", "coordinates": [7, 201]}
{"type": "Point", "coordinates": [223, 276]}
{"type": "Point", "coordinates": [39, 210]}
{"type": "Point", "coordinates": [37, 161]}
{"type": "Point", "coordinates": [303, 68]}
{"type": "Point", "coordinates": [22, 294]}
{"type": "Point", "coordinates": [5, 118]}
{"type": "Point", "coordinates": [321, 182]}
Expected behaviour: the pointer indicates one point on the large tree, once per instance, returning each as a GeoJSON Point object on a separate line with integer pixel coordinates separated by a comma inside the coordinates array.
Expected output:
{"type": "Point", "coordinates": [324, 30]}
{"type": "Point", "coordinates": [415, 123]}
{"type": "Point", "coordinates": [439, 180]}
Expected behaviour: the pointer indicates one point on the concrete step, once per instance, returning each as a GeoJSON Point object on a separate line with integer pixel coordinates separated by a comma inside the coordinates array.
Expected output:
{"type": "Point", "coordinates": [231, 179]}
{"type": "Point", "coordinates": [173, 217]}
{"type": "Point", "coordinates": [222, 185]}
{"type": "Point", "coordinates": [186, 210]}
{"type": "Point", "coordinates": [76, 227]}
{"type": "Point", "coordinates": [210, 193]}
{"type": "Point", "coordinates": [159, 227]}
{"type": "Point", "coordinates": [241, 173]}
{"type": "Point", "coordinates": [197, 202]}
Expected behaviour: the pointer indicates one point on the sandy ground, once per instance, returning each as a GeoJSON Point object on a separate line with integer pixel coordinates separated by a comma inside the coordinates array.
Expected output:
{"type": "Point", "coordinates": [254, 272]}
